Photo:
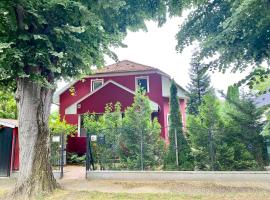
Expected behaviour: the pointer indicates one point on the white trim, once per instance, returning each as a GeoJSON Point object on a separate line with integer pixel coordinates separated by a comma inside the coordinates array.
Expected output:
{"type": "Point", "coordinates": [142, 77]}
{"type": "Point", "coordinates": [94, 80]}
{"type": "Point", "coordinates": [154, 105]}
{"type": "Point", "coordinates": [10, 125]}
{"type": "Point", "coordinates": [79, 125]}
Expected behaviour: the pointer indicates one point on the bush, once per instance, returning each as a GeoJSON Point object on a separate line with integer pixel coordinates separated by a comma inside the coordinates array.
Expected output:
{"type": "Point", "coordinates": [75, 159]}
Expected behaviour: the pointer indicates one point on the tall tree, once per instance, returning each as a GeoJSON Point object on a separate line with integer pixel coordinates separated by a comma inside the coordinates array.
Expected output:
{"type": "Point", "coordinates": [141, 146]}
{"type": "Point", "coordinates": [44, 41]}
{"type": "Point", "coordinates": [243, 125]}
{"type": "Point", "coordinates": [203, 131]}
{"type": "Point", "coordinates": [179, 151]}
{"type": "Point", "coordinates": [199, 85]}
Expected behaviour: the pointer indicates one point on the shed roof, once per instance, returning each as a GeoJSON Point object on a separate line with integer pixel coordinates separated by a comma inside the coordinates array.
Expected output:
{"type": "Point", "coordinates": [11, 123]}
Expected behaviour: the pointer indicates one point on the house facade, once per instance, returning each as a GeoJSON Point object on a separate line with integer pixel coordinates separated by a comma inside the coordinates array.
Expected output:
{"type": "Point", "coordinates": [116, 83]}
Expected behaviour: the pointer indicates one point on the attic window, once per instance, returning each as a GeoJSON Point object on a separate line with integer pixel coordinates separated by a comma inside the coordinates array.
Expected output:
{"type": "Point", "coordinates": [142, 82]}
{"type": "Point", "coordinates": [95, 84]}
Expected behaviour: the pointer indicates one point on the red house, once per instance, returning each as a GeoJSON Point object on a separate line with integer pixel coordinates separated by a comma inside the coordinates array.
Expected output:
{"type": "Point", "coordinates": [116, 83]}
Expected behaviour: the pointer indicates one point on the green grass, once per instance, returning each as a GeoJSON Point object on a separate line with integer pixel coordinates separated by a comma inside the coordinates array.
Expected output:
{"type": "Point", "coordinates": [83, 195]}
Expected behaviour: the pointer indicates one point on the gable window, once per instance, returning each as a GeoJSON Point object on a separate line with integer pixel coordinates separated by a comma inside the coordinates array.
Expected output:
{"type": "Point", "coordinates": [95, 84]}
{"type": "Point", "coordinates": [142, 82]}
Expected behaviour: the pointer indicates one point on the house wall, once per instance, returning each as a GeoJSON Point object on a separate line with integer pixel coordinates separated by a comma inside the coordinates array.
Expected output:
{"type": "Point", "coordinates": [83, 88]}
{"type": "Point", "coordinates": [166, 104]}
{"type": "Point", "coordinates": [112, 94]}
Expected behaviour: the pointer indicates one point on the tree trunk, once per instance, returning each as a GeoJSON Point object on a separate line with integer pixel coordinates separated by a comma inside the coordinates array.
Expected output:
{"type": "Point", "coordinates": [35, 175]}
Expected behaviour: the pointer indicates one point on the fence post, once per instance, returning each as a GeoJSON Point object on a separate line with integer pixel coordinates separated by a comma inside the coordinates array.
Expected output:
{"type": "Point", "coordinates": [142, 150]}
{"type": "Point", "coordinates": [62, 155]}
{"type": "Point", "coordinates": [211, 149]}
{"type": "Point", "coordinates": [87, 164]}
{"type": "Point", "coordinates": [176, 147]}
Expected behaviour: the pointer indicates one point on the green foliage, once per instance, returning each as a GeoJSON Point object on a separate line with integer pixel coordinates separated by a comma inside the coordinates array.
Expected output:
{"type": "Point", "coordinates": [198, 87]}
{"type": "Point", "coordinates": [58, 126]}
{"type": "Point", "coordinates": [175, 123]}
{"type": "Point", "coordinates": [235, 128]}
{"type": "Point", "coordinates": [53, 39]}
{"type": "Point", "coordinates": [244, 125]}
{"type": "Point", "coordinates": [75, 159]}
{"type": "Point", "coordinates": [138, 127]}
{"type": "Point", "coordinates": [123, 136]}
{"type": "Point", "coordinates": [109, 125]}
{"type": "Point", "coordinates": [266, 128]}
{"type": "Point", "coordinates": [8, 107]}
{"type": "Point", "coordinates": [233, 93]}
{"type": "Point", "coordinates": [199, 127]}
{"type": "Point", "coordinates": [238, 31]}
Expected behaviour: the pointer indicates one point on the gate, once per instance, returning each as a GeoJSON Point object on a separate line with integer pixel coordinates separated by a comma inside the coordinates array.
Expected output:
{"type": "Point", "coordinates": [5, 151]}
{"type": "Point", "coordinates": [58, 153]}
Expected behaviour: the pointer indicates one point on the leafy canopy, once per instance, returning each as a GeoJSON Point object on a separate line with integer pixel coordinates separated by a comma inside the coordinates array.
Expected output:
{"type": "Point", "coordinates": [237, 32]}
{"type": "Point", "coordinates": [47, 40]}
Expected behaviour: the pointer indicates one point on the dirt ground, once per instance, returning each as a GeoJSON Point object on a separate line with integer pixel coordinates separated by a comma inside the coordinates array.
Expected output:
{"type": "Point", "coordinates": [75, 186]}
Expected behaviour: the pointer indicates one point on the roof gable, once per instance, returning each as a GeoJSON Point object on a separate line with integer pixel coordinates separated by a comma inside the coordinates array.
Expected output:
{"type": "Point", "coordinates": [121, 68]}
{"type": "Point", "coordinates": [72, 109]}
{"type": "Point", "coordinates": [124, 66]}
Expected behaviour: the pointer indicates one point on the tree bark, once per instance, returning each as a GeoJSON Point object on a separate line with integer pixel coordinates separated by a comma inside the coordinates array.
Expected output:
{"type": "Point", "coordinates": [35, 173]}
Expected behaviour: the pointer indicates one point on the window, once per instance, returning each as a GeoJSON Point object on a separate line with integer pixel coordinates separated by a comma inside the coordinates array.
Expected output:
{"type": "Point", "coordinates": [142, 82]}
{"type": "Point", "coordinates": [95, 84]}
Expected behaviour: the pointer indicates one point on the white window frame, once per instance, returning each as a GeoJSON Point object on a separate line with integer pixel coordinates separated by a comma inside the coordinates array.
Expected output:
{"type": "Point", "coordinates": [142, 77]}
{"type": "Point", "coordinates": [96, 80]}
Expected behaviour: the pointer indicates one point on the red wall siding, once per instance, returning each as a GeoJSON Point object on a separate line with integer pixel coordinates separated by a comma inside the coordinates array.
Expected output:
{"type": "Point", "coordinates": [16, 150]}
{"type": "Point", "coordinates": [77, 145]}
{"type": "Point", "coordinates": [109, 94]}
{"type": "Point", "coordinates": [166, 108]}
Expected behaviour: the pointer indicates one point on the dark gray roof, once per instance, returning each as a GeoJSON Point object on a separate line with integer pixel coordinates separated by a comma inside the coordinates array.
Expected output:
{"type": "Point", "coordinates": [263, 100]}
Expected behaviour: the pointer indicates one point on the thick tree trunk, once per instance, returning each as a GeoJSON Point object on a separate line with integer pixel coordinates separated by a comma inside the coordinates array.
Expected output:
{"type": "Point", "coordinates": [35, 175]}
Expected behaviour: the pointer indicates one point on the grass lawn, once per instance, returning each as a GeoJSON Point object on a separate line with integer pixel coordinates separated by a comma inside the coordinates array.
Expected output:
{"type": "Point", "coordinates": [66, 195]}
{"type": "Point", "coordinates": [150, 190]}
{"type": "Point", "coordinates": [84, 195]}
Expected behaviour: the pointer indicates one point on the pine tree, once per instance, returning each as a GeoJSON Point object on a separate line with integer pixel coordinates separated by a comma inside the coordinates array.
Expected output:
{"type": "Point", "coordinates": [183, 152]}
{"type": "Point", "coordinates": [243, 125]}
{"type": "Point", "coordinates": [140, 144]}
{"type": "Point", "coordinates": [199, 86]}
{"type": "Point", "coordinates": [204, 134]}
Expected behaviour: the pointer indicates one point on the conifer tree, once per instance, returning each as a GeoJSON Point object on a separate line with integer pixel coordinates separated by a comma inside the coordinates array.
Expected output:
{"type": "Point", "coordinates": [198, 87]}
{"type": "Point", "coordinates": [141, 146]}
{"type": "Point", "coordinates": [181, 151]}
